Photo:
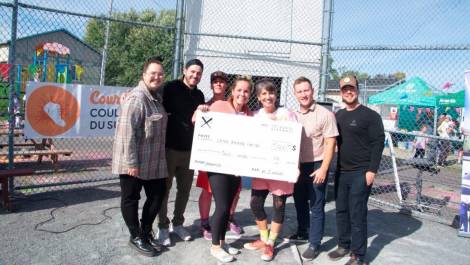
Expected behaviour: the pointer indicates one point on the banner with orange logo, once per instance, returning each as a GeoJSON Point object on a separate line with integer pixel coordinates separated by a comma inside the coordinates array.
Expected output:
{"type": "Point", "coordinates": [56, 110]}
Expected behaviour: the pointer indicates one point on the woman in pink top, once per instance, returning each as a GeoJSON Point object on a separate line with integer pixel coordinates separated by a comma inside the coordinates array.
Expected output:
{"type": "Point", "coordinates": [218, 86]}
{"type": "Point", "coordinates": [224, 186]}
{"type": "Point", "coordinates": [260, 188]}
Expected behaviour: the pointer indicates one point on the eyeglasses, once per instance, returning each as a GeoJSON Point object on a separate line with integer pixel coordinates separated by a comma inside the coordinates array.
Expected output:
{"type": "Point", "coordinates": [350, 89]}
{"type": "Point", "coordinates": [154, 74]}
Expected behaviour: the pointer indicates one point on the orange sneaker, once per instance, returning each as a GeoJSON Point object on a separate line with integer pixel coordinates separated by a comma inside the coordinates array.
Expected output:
{"type": "Point", "coordinates": [268, 253]}
{"type": "Point", "coordinates": [255, 245]}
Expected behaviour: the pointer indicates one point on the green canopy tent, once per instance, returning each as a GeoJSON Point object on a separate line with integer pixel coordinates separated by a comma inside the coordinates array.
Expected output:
{"type": "Point", "coordinates": [456, 99]}
{"type": "Point", "coordinates": [416, 93]}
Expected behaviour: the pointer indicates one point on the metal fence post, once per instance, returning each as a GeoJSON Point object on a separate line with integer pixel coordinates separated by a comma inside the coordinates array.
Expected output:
{"type": "Point", "coordinates": [178, 38]}
{"type": "Point", "coordinates": [11, 92]}
{"type": "Point", "coordinates": [105, 47]}
{"type": "Point", "coordinates": [325, 48]}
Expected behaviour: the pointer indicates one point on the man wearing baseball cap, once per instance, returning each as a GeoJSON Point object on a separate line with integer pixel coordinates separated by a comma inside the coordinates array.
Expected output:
{"type": "Point", "coordinates": [360, 145]}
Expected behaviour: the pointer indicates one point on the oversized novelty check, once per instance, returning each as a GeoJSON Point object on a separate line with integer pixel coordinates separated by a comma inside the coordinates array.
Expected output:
{"type": "Point", "coordinates": [246, 146]}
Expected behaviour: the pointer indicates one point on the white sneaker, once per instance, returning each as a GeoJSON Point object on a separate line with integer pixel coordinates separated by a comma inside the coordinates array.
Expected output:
{"type": "Point", "coordinates": [163, 236]}
{"type": "Point", "coordinates": [53, 111]}
{"type": "Point", "coordinates": [221, 255]}
{"type": "Point", "coordinates": [182, 232]}
{"type": "Point", "coordinates": [230, 250]}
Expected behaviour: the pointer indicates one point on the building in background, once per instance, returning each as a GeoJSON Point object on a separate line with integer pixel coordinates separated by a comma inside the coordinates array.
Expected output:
{"type": "Point", "coordinates": [259, 38]}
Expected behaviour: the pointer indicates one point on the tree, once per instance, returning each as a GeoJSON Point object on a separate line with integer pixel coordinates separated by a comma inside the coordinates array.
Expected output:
{"type": "Point", "coordinates": [399, 75]}
{"type": "Point", "coordinates": [359, 75]}
{"type": "Point", "coordinates": [129, 44]}
{"type": "Point", "coordinates": [332, 71]}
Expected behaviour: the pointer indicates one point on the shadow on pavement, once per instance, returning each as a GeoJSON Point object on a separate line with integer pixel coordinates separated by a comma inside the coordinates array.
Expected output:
{"type": "Point", "coordinates": [54, 199]}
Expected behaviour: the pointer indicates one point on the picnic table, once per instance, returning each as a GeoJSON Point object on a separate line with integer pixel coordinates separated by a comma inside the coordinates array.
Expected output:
{"type": "Point", "coordinates": [31, 147]}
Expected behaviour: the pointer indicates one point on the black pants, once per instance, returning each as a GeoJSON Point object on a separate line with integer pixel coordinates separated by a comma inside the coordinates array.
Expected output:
{"type": "Point", "coordinates": [419, 153]}
{"type": "Point", "coordinates": [258, 197]}
{"type": "Point", "coordinates": [224, 187]}
{"type": "Point", "coordinates": [130, 195]}
{"type": "Point", "coordinates": [352, 194]}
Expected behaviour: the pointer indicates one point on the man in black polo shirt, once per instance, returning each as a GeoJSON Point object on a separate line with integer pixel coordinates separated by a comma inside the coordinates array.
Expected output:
{"type": "Point", "coordinates": [181, 97]}
{"type": "Point", "coordinates": [360, 145]}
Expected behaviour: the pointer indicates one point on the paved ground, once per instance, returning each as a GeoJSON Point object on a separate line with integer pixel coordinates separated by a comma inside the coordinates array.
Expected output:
{"type": "Point", "coordinates": [26, 237]}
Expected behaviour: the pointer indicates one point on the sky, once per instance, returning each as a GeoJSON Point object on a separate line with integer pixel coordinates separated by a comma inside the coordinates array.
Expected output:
{"type": "Point", "coordinates": [31, 21]}
{"type": "Point", "coordinates": [402, 23]}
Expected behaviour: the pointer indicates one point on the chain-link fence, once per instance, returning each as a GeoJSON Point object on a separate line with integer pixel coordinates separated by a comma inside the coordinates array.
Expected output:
{"type": "Point", "coordinates": [81, 42]}
{"type": "Point", "coordinates": [410, 62]}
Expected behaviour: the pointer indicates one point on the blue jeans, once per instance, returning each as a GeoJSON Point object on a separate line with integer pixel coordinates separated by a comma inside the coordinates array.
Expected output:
{"type": "Point", "coordinates": [309, 201]}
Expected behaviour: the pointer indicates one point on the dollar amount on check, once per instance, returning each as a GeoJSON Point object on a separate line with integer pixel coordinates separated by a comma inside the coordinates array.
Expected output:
{"type": "Point", "coordinates": [246, 146]}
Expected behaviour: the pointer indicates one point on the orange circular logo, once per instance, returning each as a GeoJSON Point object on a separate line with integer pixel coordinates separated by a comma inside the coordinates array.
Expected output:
{"type": "Point", "coordinates": [51, 110]}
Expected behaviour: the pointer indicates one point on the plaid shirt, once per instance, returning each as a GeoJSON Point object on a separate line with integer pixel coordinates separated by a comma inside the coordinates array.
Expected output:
{"type": "Point", "coordinates": [140, 135]}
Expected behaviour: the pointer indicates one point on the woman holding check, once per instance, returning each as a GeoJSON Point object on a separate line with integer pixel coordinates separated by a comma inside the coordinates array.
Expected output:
{"type": "Point", "coordinates": [224, 186]}
{"type": "Point", "coordinates": [218, 85]}
{"type": "Point", "coordinates": [260, 188]}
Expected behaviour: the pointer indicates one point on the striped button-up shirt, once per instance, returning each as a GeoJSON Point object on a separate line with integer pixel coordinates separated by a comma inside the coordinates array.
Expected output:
{"type": "Point", "coordinates": [139, 141]}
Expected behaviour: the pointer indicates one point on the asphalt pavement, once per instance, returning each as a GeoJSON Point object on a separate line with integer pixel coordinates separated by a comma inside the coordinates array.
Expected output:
{"type": "Point", "coordinates": [86, 227]}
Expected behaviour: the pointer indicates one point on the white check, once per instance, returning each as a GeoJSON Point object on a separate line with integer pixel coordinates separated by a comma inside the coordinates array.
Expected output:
{"type": "Point", "coordinates": [246, 146]}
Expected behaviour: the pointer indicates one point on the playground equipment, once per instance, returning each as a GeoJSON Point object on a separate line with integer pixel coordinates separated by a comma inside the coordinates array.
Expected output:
{"type": "Point", "coordinates": [51, 63]}
{"type": "Point", "coordinates": [61, 71]}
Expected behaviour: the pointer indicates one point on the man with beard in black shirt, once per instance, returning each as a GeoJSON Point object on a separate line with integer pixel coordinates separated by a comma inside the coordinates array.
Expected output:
{"type": "Point", "coordinates": [360, 145]}
{"type": "Point", "coordinates": [181, 98]}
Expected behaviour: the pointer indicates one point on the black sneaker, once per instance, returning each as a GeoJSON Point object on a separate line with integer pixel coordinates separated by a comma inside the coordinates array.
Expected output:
{"type": "Point", "coordinates": [311, 252]}
{"type": "Point", "coordinates": [338, 253]}
{"type": "Point", "coordinates": [154, 242]}
{"type": "Point", "coordinates": [355, 260]}
{"type": "Point", "coordinates": [299, 236]}
{"type": "Point", "coordinates": [142, 246]}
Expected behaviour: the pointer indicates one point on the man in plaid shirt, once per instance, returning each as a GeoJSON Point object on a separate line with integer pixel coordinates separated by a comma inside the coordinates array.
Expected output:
{"type": "Point", "coordinates": [139, 156]}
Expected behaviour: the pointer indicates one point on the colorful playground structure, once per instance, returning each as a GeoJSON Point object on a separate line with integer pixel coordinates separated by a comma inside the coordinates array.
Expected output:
{"type": "Point", "coordinates": [51, 63]}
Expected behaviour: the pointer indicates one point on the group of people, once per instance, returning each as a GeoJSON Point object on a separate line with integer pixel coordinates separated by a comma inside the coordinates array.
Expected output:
{"type": "Point", "coordinates": [153, 143]}
{"type": "Point", "coordinates": [439, 149]}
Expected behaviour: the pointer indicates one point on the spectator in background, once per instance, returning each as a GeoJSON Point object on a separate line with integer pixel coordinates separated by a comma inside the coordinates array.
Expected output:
{"type": "Point", "coordinates": [16, 112]}
{"type": "Point", "coordinates": [420, 143]}
{"type": "Point", "coordinates": [445, 130]}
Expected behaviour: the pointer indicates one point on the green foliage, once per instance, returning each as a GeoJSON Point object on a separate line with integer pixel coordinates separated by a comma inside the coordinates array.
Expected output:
{"type": "Point", "coordinates": [4, 86]}
{"type": "Point", "coordinates": [399, 75]}
{"type": "Point", "coordinates": [334, 75]}
{"type": "Point", "coordinates": [359, 75]}
{"type": "Point", "coordinates": [130, 45]}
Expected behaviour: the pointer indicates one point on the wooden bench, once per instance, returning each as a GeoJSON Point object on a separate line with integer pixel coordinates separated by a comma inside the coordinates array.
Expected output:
{"type": "Point", "coordinates": [37, 146]}
{"type": "Point", "coordinates": [54, 154]}
{"type": "Point", "coordinates": [16, 132]}
{"type": "Point", "coordinates": [4, 175]}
